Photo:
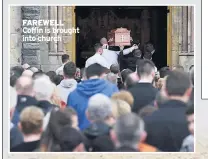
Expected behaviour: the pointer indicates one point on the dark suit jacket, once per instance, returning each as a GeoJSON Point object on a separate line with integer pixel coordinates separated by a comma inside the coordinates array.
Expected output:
{"type": "Point", "coordinates": [144, 94]}
{"type": "Point", "coordinates": [167, 127]}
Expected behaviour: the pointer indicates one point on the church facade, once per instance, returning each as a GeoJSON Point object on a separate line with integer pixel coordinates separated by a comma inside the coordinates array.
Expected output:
{"type": "Point", "coordinates": [47, 55]}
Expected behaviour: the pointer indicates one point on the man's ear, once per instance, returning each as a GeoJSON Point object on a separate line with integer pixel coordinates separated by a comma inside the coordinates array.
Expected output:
{"type": "Point", "coordinates": [143, 136]}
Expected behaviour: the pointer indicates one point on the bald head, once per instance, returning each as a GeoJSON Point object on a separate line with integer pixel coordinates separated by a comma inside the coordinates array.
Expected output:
{"type": "Point", "coordinates": [27, 73]}
{"type": "Point", "coordinates": [24, 86]}
{"type": "Point", "coordinates": [103, 41]}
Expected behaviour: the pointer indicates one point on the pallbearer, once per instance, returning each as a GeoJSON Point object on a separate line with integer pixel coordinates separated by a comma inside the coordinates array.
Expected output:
{"type": "Point", "coordinates": [120, 38]}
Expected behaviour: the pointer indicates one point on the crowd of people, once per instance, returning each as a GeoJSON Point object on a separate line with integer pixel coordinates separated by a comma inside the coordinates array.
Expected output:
{"type": "Point", "coordinates": [102, 109]}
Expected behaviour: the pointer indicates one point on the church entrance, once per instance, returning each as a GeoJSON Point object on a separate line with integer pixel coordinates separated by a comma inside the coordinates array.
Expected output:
{"type": "Point", "coordinates": [146, 24]}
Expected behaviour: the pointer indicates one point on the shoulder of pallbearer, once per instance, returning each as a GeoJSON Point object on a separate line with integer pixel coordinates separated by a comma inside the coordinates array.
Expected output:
{"type": "Point", "coordinates": [119, 37]}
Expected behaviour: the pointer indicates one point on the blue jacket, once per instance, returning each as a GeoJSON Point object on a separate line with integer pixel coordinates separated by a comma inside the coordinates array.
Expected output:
{"type": "Point", "coordinates": [78, 99]}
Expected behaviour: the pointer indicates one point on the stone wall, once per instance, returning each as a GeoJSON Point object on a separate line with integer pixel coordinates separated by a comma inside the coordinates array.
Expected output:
{"type": "Point", "coordinates": [15, 36]}
{"type": "Point", "coordinates": [183, 36]}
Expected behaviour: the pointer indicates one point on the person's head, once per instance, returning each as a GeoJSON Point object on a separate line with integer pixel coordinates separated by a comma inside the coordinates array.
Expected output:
{"type": "Point", "coordinates": [57, 120]}
{"type": "Point", "coordinates": [147, 55]}
{"type": "Point", "coordinates": [120, 107]}
{"type": "Point", "coordinates": [164, 71]}
{"type": "Point", "coordinates": [111, 77]}
{"type": "Point", "coordinates": [149, 46]}
{"type": "Point", "coordinates": [94, 71]}
{"type": "Point", "coordinates": [137, 53]}
{"type": "Point", "coordinates": [37, 75]}
{"type": "Point", "coordinates": [58, 79]}
{"type": "Point", "coordinates": [17, 70]}
{"type": "Point", "coordinates": [102, 144]}
{"type": "Point", "coordinates": [65, 58]}
{"type": "Point", "coordinates": [31, 121]}
{"type": "Point", "coordinates": [131, 80]}
{"type": "Point", "coordinates": [100, 109]}
{"type": "Point", "coordinates": [73, 115]}
{"type": "Point", "coordinates": [177, 86]}
{"type": "Point", "coordinates": [125, 96]}
{"type": "Point", "coordinates": [98, 48]}
{"type": "Point", "coordinates": [146, 70]}
{"type": "Point", "coordinates": [159, 100]}
{"type": "Point", "coordinates": [69, 70]}
{"type": "Point", "coordinates": [28, 73]}
{"type": "Point", "coordinates": [125, 73]}
{"type": "Point", "coordinates": [71, 140]}
{"type": "Point", "coordinates": [128, 130]}
{"type": "Point", "coordinates": [103, 41]}
{"type": "Point", "coordinates": [146, 111]}
{"type": "Point", "coordinates": [78, 73]}
{"type": "Point", "coordinates": [178, 67]}
{"type": "Point", "coordinates": [33, 69]}
{"type": "Point", "coordinates": [114, 68]}
{"type": "Point", "coordinates": [24, 86]}
{"type": "Point", "coordinates": [25, 66]}
{"type": "Point", "coordinates": [190, 118]}
{"type": "Point", "coordinates": [13, 101]}
{"type": "Point", "coordinates": [43, 88]}
{"type": "Point", "coordinates": [51, 75]}
{"type": "Point", "coordinates": [13, 80]}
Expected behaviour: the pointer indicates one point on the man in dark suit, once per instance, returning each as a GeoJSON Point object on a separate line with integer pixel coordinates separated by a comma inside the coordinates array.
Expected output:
{"type": "Point", "coordinates": [143, 92]}
{"type": "Point", "coordinates": [152, 54]}
{"type": "Point", "coordinates": [167, 127]}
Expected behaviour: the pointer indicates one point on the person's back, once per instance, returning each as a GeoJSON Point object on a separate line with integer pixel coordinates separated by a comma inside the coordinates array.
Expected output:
{"type": "Point", "coordinates": [68, 84]}
{"type": "Point", "coordinates": [143, 92]}
{"type": "Point", "coordinates": [78, 99]}
{"type": "Point", "coordinates": [97, 58]}
{"type": "Point", "coordinates": [167, 127]}
{"type": "Point", "coordinates": [24, 88]}
{"type": "Point", "coordinates": [65, 59]}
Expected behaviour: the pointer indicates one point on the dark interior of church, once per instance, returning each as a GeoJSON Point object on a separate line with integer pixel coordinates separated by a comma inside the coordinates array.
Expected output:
{"type": "Point", "coordinates": [147, 23]}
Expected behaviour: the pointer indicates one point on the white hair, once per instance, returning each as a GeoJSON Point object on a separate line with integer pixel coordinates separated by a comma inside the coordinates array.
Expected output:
{"type": "Point", "coordinates": [99, 107]}
{"type": "Point", "coordinates": [43, 88]}
{"type": "Point", "coordinates": [13, 97]}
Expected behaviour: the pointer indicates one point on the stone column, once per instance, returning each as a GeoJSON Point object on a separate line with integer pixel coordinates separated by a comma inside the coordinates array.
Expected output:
{"type": "Point", "coordinates": [30, 49]}
{"type": "Point", "coordinates": [15, 35]}
{"type": "Point", "coordinates": [185, 30]}
{"type": "Point", "coordinates": [60, 18]}
{"type": "Point", "coordinates": [186, 56]}
{"type": "Point", "coordinates": [176, 34]}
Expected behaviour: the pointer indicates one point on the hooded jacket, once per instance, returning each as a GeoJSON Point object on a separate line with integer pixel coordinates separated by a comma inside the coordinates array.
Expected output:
{"type": "Point", "coordinates": [66, 87]}
{"type": "Point", "coordinates": [78, 99]}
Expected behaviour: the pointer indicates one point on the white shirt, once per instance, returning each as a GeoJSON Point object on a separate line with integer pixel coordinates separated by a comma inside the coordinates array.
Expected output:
{"type": "Point", "coordinates": [97, 58]}
{"type": "Point", "coordinates": [112, 56]}
{"type": "Point", "coordinates": [60, 71]}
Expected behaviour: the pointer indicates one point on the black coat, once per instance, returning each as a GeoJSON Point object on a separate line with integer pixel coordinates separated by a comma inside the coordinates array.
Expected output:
{"type": "Point", "coordinates": [144, 94]}
{"type": "Point", "coordinates": [167, 127]}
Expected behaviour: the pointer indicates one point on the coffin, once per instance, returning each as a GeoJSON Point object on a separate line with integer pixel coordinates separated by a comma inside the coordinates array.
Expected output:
{"type": "Point", "coordinates": [119, 37]}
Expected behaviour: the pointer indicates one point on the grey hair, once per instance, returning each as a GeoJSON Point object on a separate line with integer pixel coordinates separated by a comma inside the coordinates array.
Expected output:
{"type": "Point", "coordinates": [128, 129]}
{"type": "Point", "coordinates": [99, 107]}
{"type": "Point", "coordinates": [111, 77]}
{"type": "Point", "coordinates": [43, 88]}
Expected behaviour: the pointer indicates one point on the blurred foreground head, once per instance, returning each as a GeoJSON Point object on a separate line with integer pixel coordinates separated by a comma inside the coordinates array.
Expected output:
{"type": "Point", "coordinates": [177, 86]}
{"type": "Point", "coordinates": [125, 96]}
{"type": "Point", "coordinates": [114, 69]}
{"type": "Point", "coordinates": [128, 131]}
{"type": "Point", "coordinates": [43, 88]}
{"type": "Point", "coordinates": [100, 109]}
{"type": "Point", "coordinates": [24, 86]}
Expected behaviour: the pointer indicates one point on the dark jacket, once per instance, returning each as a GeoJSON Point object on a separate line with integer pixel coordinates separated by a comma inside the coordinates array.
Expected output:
{"type": "Point", "coordinates": [158, 59]}
{"type": "Point", "coordinates": [144, 94]}
{"type": "Point", "coordinates": [167, 127]}
{"type": "Point", "coordinates": [78, 99]}
{"type": "Point", "coordinates": [16, 137]}
{"type": "Point", "coordinates": [22, 102]}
